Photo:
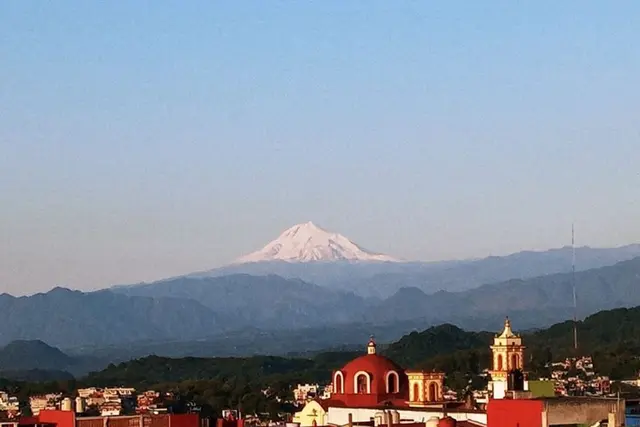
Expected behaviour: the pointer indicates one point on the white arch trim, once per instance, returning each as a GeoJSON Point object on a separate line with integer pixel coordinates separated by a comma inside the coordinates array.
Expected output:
{"type": "Point", "coordinates": [396, 381]}
{"type": "Point", "coordinates": [355, 381]}
{"type": "Point", "coordinates": [335, 382]}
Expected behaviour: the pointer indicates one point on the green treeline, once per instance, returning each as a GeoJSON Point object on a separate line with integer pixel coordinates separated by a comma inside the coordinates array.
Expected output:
{"type": "Point", "coordinates": [258, 384]}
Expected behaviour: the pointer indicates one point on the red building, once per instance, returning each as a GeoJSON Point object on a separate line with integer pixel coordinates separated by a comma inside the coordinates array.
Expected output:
{"type": "Point", "coordinates": [554, 411]}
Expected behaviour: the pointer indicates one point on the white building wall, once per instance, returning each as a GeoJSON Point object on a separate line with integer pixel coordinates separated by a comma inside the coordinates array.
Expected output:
{"type": "Point", "coordinates": [499, 389]}
{"type": "Point", "coordinates": [340, 416]}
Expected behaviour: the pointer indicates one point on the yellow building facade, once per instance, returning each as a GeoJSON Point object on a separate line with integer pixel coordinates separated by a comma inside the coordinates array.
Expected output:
{"type": "Point", "coordinates": [425, 387]}
{"type": "Point", "coordinates": [313, 414]}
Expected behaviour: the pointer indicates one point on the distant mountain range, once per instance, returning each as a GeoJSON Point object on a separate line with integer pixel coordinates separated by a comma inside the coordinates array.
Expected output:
{"type": "Point", "coordinates": [206, 310]}
{"type": "Point", "coordinates": [328, 292]}
{"type": "Point", "coordinates": [549, 297]}
{"type": "Point", "coordinates": [268, 302]}
{"type": "Point", "coordinates": [315, 255]}
{"type": "Point", "coordinates": [381, 280]}
{"type": "Point", "coordinates": [67, 318]}
{"type": "Point", "coordinates": [34, 360]}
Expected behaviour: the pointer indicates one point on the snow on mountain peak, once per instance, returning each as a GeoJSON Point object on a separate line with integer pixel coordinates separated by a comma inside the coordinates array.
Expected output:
{"type": "Point", "coordinates": [308, 242]}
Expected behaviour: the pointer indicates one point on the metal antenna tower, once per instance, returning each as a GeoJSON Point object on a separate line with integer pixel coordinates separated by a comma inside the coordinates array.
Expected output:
{"type": "Point", "coordinates": [573, 284]}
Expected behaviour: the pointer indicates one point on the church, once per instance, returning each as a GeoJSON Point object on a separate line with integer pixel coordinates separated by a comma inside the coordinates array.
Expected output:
{"type": "Point", "coordinates": [373, 389]}
{"type": "Point", "coordinates": [374, 380]}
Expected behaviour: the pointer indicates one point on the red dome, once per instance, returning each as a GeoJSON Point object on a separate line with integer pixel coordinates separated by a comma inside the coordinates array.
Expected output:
{"type": "Point", "coordinates": [374, 364]}
{"type": "Point", "coordinates": [370, 380]}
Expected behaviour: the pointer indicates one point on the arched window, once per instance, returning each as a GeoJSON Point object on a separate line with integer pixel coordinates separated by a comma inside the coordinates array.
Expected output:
{"type": "Point", "coordinates": [514, 362]}
{"type": "Point", "coordinates": [433, 392]}
{"type": "Point", "coordinates": [416, 393]}
{"type": "Point", "coordinates": [393, 382]}
{"type": "Point", "coordinates": [338, 383]}
{"type": "Point", "coordinates": [361, 384]}
{"type": "Point", "coordinates": [499, 367]}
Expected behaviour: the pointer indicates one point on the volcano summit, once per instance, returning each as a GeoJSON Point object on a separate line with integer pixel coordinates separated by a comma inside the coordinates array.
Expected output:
{"type": "Point", "coordinates": [307, 242]}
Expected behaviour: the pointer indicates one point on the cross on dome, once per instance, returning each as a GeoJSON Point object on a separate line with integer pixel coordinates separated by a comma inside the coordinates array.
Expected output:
{"type": "Point", "coordinates": [371, 347]}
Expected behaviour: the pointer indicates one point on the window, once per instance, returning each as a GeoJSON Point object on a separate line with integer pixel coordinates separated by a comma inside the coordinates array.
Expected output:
{"type": "Point", "coordinates": [499, 367]}
{"type": "Point", "coordinates": [433, 392]}
{"type": "Point", "coordinates": [338, 383]}
{"type": "Point", "coordinates": [393, 382]}
{"type": "Point", "coordinates": [361, 383]}
{"type": "Point", "coordinates": [416, 393]}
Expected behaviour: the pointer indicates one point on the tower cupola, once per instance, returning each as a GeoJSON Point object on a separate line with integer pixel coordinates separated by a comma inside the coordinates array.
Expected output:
{"type": "Point", "coordinates": [507, 332]}
{"type": "Point", "coordinates": [371, 347]}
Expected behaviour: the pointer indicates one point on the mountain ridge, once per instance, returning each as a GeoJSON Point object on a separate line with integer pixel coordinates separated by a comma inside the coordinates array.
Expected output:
{"type": "Point", "coordinates": [383, 279]}
{"type": "Point", "coordinates": [66, 317]}
{"type": "Point", "coordinates": [194, 308]}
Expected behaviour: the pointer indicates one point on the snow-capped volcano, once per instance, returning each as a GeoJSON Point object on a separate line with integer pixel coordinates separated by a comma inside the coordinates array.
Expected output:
{"type": "Point", "coordinates": [308, 242]}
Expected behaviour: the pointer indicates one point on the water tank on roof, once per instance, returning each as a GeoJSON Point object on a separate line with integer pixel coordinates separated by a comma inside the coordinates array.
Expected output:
{"type": "Point", "coordinates": [432, 422]}
{"type": "Point", "coordinates": [79, 405]}
{"type": "Point", "coordinates": [378, 418]}
{"type": "Point", "coordinates": [66, 404]}
{"type": "Point", "coordinates": [395, 417]}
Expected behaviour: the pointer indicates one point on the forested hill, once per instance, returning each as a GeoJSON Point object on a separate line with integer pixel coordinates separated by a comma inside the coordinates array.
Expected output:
{"type": "Point", "coordinates": [612, 337]}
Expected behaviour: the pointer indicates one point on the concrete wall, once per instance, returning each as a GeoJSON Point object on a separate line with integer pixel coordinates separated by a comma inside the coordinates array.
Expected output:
{"type": "Point", "coordinates": [340, 416]}
{"type": "Point", "coordinates": [582, 411]}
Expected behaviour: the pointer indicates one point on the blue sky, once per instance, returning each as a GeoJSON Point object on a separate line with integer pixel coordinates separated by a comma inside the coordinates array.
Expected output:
{"type": "Point", "coordinates": [141, 140]}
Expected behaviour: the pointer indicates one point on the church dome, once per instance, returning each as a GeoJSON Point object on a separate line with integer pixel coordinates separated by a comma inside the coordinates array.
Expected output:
{"type": "Point", "coordinates": [374, 364]}
{"type": "Point", "coordinates": [373, 375]}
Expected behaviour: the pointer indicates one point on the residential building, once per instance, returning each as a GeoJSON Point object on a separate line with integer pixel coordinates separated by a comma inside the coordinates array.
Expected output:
{"type": "Point", "coordinates": [303, 392]}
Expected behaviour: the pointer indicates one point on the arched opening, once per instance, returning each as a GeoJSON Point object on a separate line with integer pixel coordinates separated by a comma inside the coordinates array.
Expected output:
{"type": "Point", "coordinates": [499, 367]}
{"type": "Point", "coordinates": [361, 384]}
{"type": "Point", "coordinates": [338, 383]}
{"type": "Point", "coordinates": [433, 392]}
{"type": "Point", "coordinates": [393, 382]}
{"type": "Point", "coordinates": [514, 362]}
{"type": "Point", "coordinates": [416, 393]}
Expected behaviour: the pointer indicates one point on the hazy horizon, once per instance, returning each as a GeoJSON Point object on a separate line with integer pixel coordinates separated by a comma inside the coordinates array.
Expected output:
{"type": "Point", "coordinates": [183, 273]}
{"type": "Point", "coordinates": [141, 143]}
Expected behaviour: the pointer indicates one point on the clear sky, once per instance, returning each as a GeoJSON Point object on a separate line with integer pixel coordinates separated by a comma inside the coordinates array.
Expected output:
{"type": "Point", "coordinates": [141, 140]}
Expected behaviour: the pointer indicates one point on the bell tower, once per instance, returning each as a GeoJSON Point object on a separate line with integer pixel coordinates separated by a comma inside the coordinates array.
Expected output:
{"type": "Point", "coordinates": [507, 363]}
